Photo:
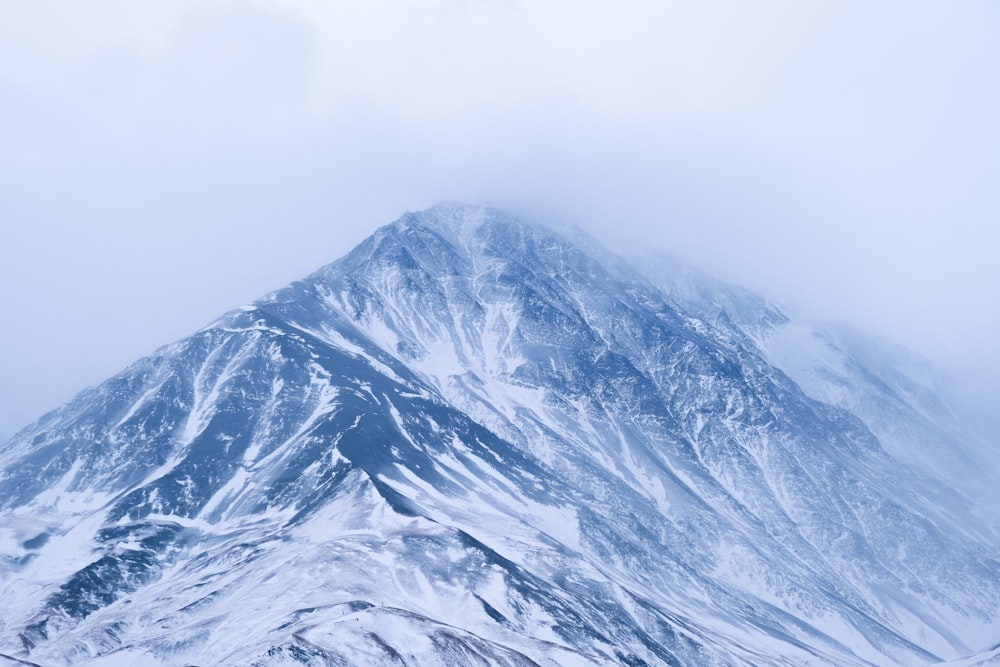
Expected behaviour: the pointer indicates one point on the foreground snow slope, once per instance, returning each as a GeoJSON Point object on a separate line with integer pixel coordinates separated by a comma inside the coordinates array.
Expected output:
{"type": "Point", "coordinates": [474, 440]}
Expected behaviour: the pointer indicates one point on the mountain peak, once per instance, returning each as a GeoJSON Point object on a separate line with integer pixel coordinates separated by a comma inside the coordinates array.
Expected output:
{"type": "Point", "coordinates": [457, 221]}
{"type": "Point", "coordinates": [476, 436]}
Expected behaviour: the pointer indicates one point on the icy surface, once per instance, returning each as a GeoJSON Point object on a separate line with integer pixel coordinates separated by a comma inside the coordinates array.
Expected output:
{"type": "Point", "coordinates": [476, 441]}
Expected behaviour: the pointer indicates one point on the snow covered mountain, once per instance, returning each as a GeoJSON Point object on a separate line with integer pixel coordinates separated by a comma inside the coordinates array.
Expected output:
{"type": "Point", "coordinates": [475, 440]}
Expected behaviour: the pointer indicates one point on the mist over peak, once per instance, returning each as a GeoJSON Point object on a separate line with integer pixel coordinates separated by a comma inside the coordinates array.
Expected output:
{"type": "Point", "coordinates": [250, 143]}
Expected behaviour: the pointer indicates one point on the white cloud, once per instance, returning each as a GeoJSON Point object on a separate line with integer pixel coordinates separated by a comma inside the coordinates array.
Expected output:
{"type": "Point", "coordinates": [841, 154]}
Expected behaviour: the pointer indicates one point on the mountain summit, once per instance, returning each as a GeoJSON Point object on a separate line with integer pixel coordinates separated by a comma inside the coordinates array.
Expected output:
{"type": "Point", "coordinates": [475, 440]}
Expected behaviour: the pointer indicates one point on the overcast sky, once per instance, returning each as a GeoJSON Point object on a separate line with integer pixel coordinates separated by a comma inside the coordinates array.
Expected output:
{"type": "Point", "coordinates": [161, 163]}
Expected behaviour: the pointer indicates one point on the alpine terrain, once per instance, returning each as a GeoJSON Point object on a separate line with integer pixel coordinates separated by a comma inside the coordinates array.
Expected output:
{"type": "Point", "coordinates": [478, 441]}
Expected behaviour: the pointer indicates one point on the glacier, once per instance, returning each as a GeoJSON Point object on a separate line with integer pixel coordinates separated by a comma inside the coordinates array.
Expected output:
{"type": "Point", "coordinates": [476, 439]}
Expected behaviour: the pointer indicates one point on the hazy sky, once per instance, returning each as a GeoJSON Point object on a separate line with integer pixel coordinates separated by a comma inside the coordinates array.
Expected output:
{"type": "Point", "coordinates": [163, 162]}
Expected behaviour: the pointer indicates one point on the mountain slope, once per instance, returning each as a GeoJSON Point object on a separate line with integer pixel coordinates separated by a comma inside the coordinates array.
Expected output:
{"type": "Point", "coordinates": [474, 439]}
